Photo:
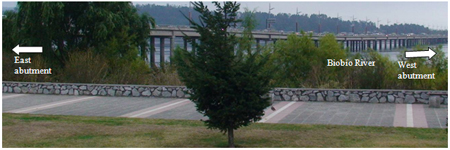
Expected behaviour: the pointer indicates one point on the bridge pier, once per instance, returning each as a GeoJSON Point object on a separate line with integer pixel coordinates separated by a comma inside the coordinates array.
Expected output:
{"type": "Point", "coordinates": [161, 50]}
{"type": "Point", "coordinates": [185, 44]}
{"type": "Point", "coordinates": [152, 52]}
{"type": "Point", "coordinates": [172, 46]}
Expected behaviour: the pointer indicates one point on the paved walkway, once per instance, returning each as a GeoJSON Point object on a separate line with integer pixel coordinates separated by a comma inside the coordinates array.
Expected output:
{"type": "Point", "coordinates": [359, 114]}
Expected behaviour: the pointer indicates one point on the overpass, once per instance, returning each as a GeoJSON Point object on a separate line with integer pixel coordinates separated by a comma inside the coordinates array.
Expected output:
{"type": "Point", "coordinates": [353, 43]}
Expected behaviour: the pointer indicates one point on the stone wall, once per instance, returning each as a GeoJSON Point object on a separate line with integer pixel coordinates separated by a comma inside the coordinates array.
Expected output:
{"type": "Point", "coordinates": [359, 95]}
{"type": "Point", "coordinates": [278, 94]}
{"type": "Point", "coordinates": [95, 89]}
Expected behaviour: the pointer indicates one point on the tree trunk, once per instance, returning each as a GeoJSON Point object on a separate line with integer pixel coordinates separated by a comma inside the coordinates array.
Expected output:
{"type": "Point", "coordinates": [230, 137]}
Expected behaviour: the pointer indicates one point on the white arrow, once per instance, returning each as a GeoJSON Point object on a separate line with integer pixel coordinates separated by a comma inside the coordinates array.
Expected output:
{"type": "Point", "coordinates": [19, 49]}
{"type": "Point", "coordinates": [429, 53]}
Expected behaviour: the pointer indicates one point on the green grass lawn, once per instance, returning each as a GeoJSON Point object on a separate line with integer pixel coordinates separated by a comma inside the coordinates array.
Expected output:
{"type": "Point", "coordinates": [25, 130]}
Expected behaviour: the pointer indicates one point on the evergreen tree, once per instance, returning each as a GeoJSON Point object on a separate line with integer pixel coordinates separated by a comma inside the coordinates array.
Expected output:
{"type": "Point", "coordinates": [227, 81]}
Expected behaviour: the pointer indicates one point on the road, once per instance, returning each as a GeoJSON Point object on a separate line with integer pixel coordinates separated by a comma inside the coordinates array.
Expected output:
{"type": "Point", "coordinates": [337, 113]}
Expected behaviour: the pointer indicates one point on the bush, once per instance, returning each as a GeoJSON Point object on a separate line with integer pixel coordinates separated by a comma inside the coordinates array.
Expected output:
{"type": "Point", "coordinates": [85, 67]}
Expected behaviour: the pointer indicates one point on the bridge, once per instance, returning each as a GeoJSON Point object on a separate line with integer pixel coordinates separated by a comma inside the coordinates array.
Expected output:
{"type": "Point", "coordinates": [353, 43]}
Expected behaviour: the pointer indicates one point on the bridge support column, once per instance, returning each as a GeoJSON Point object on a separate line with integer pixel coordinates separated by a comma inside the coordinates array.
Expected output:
{"type": "Point", "coordinates": [161, 54]}
{"type": "Point", "coordinates": [152, 52]}
{"type": "Point", "coordinates": [395, 43]}
{"type": "Point", "coordinates": [362, 45]}
{"type": "Point", "coordinates": [185, 44]}
{"type": "Point", "coordinates": [346, 44]}
{"type": "Point", "coordinates": [385, 44]}
{"type": "Point", "coordinates": [257, 44]}
{"type": "Point", "coordinates": [390, 44]}
{"type": "Point", "coordinates": [363, 42]}
{"type": "Point", "coordinates": [172, 46]}
{"type": "Point", "coordinates": [375, 44]}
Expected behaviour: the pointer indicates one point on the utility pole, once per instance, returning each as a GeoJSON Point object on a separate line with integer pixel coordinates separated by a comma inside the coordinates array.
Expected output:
{"type": "Point", "coordinates": [387, 29]}
{"type": "Point", "coordinates": [366, 24]}
{"type": "Point", "coordinates": [296, 21]}
{"type": "Point", "coordinates": [396, 27]}
{"type": "Point", "coordinates": [190, 17]}
{"type": "Point", "coordinates": [378, 24]}
{"type": "Point", "coordinates": [269, 20]}
{"type": "Point", "coordinates": [319, 21]}
{"type": "Point", "coordinates": [337, 25]}
{"type": "Point", "coordinates": [353, 24]}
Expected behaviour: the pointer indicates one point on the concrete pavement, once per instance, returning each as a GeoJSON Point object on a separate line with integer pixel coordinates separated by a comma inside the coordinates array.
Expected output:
{"type": "Point", "coordinates": [337, 113]}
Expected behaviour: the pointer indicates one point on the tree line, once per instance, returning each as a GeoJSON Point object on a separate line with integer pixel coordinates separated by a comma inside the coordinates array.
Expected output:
{"type": "Point", "coordinates": [173, 15]}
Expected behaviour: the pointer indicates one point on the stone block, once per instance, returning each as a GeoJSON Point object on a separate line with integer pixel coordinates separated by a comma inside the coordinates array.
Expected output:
{"type": "Point", "coordinates": [319, 97]}
{"type": "Point", "coordinates": [174, 93]}
{"type": "Point", "coordinates": [383, 100]}
{"type": "Point", "coordinates": [135, 92]}
{"type": "Point", "coordinates": [373, 100]}
{"type": "Point", "coordinates": [401, 95]}
{"type": "Point", "coordinates": [180, 93]}
{"type": "Point", "coordinates": [330, 94]}
{"type": "Point", "coordinates": [103, 92]}
{"type": "Point", "coordinates": [295, 98]}
{"type": "Point", "coordinates": [434, 102]}
{"type": "Point", "coordinates": [126, 93]}
{"type": "Point", "coordinates": [304, 98]}
{"type": "Point", "coordinates": [24, 90]}
{"type": "Point", "coordinates": [94, 92]}
{"type": "Point", "coordinates": [390, 99]}
{"type": "Point", "coordinates": [64, 92]}
{"type": "Point", "coordinates": [365, 99]}
{"type": "Point", "coordinates": [290, 93]}
{"type": "Point", "coordinates": [111, 92]}
{"type": "Point", "coordinates": [354, 98]}
{"type": "Point", "coordinates": [343, 98]}
{"type": "Point", "coordinates": [331, 98]}
{"type": "Point", "coordinates": [307, 92]}
{"type": "Point", "coordinates": [166, 94]}
{"type": "Point", "coordinates": [424, 95]}
{"type": "Point", "coordinates": [312, 97]}
{"type": "Point", "coordinates": [156, 93]}
{"type": "Point", "coordinates": [146, 93]}
{"type": "Point", "coordinates": [286, 97]}
{"type": "Point", "coordinates": [46, 91]}
{"type": "Point", "coordinates": [118, 93]}
{"type": "Point", "coordinates": [17, 90]}
{"type": "Point", "coordinates": [409, 99]}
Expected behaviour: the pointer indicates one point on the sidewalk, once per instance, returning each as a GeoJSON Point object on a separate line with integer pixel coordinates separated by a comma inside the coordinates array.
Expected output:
{"type": "Point", "coordinates": [336, 113]}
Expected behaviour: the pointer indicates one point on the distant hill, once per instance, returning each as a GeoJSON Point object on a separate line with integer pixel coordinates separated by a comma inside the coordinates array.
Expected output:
{"type": "Point", "coordinates": [173, 15]}
{"type": "Point", "coordinates": [7, 9]}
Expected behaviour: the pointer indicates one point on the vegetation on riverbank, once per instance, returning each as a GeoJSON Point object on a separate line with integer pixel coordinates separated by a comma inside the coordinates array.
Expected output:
{"type": "Point", "coordinates": [117, 54]}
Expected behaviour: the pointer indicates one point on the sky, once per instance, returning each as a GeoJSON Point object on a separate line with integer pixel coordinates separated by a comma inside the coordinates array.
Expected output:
{"type": "Point", "coordinates": [430, 14]}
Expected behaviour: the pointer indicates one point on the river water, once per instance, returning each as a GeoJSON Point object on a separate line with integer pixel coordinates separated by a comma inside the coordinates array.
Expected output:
{"type": "Point", "coordinates": [393, 54]}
